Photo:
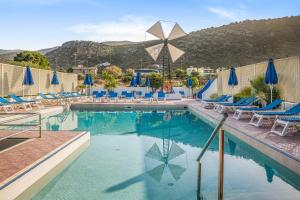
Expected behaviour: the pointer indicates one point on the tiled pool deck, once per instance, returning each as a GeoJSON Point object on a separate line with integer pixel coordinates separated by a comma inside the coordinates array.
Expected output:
{"type": "Point", "coordinates": [20, 157]}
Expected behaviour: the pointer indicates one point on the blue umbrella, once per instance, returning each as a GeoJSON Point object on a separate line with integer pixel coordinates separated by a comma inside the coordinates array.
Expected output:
{"type": "Point", "coordinates": [54, 80]}
{"type": "Point", "coordinates": [271, 76]}
{"type": "Point", "coordinates": [87, 80]}
{"type": "Point", "coordinates": [147, 82]}
{"type": "Point", "coordinates": [232, 81]}
{"type": "Point", "coordinates": [91, 79]}
{"type": "Point", "coordinates": [28, 80]}
{"type": "Point", "coordinates": [133, 82]}
{"type": "Point", "coordinates": [189, 82]}
{"type": "Point", "coordinates": [138, 79]}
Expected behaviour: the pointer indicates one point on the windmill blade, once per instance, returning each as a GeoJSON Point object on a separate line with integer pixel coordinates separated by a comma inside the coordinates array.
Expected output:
{"type": "Point", "coordinates": [154, 153]}
{"type": "Point", "coordinates": [157, 172]}
{"type": "Point", "coordinates": [176, 171]}
{"type": "Point", "coordinates": [175, 52]}
{"type": "Point", "coordinates": [157, 30]}
{"type": "Point", "coordinates": [176, 32]}
{"type": "Point", "coordinates": [154, 51]}
{"type": "Point", "coordinates": [175, 151]}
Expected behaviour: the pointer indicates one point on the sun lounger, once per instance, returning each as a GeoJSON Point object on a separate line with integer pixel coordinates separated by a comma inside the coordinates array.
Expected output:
{"type": "Point", "coordinates": [231, 108]}
{"type": "Point", "coordinates": [285, 125]}
{"type": "Point", "coordinates": [129, 96]}
{"type": "Point", "coordinates": [219, 104]}
{"type": "Point", "coordinates": [267, 118]}
{"type": "Point", "coordinates": [26, 104]}
{"type": "Point", "coordinates": [210, 103]}
{"type": "Point", "coordinates": [113, 96]}
{"type": "Point", "coordinates": [148, 96]}
{"type": "Point", "coordinates": [6, 105]}
{"type": "Point", "coordinates": [246, 113]}
{"type": "Point", "coordinates": [161, 96]}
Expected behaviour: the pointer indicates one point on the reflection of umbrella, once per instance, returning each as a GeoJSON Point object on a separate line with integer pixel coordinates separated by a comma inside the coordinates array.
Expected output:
{"type": "Point", "coordinates": [232, 146]}
{"type": "Point", "coordinates": [269, 173]}
{"type": "Point", "coordinates": [271, 76]}
{"type": "Point", "coordinates": [167, 155]}
{"type": "Point", "coordinates": [138, 79]}
{"type": "Point", "coordinates": [232, 81]}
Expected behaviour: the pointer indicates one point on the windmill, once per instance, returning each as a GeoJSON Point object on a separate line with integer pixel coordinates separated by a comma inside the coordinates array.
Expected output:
{"type": "Point", "coordinates": [168, 50]}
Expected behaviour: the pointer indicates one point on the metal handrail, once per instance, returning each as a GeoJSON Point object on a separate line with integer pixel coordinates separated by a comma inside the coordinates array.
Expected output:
{"type": "Point", "coordinates": [221, 158]}
{"type": "Point", "coordinates": [32, 114]}
{"type": "Point", "coordinates": [212, 136]}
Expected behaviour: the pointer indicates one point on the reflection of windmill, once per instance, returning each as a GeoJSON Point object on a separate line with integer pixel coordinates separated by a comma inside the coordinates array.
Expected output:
{"type": "Point", "coordinates": [168, 154]}
{"type": "Point", "coordinates": [173, 52]}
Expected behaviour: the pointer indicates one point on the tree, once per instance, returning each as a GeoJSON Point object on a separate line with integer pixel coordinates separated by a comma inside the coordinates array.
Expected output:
{"type": "Point", "coordinates": [70, 70]}
{"type": "Point", "coordinates": [110, 81]}
{"type": "Point", "coordinates": [156, 80]}
{"type": "Point", "coordinates": [180, 74]}
{"type": "Point", "coordinates": [113, 70]}
{"type": "Point", "coordinates": [33, 58]}
{"type": "Point", "coordinates": [194, 74]}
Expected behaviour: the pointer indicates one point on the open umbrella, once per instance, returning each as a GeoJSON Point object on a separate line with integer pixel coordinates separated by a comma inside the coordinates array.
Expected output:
{"type": "Point", "coordinates": [189, 83]}
{"type": "Point", "coordinates": [28, 79]}
{"type": "Point", "coordinates": [232, 81]}
{"type": "Point", "coordinates": [271, 77]}
{"type": "Point", "coordinates": [138, 79]}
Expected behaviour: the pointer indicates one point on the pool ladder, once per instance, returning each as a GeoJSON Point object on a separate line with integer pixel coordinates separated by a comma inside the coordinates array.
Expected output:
{"type": "Point", "coordinates": [221, 158]}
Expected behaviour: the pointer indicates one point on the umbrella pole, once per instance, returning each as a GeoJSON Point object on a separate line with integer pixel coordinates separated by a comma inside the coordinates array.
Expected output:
{"type": "Point", "coordinates": [271, 88]}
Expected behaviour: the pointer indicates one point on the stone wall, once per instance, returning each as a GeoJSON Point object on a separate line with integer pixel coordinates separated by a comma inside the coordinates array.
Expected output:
{"type": "Point", "coordinates": [288, 70]}
{"type": "Point", "coordinates": [11, 79]}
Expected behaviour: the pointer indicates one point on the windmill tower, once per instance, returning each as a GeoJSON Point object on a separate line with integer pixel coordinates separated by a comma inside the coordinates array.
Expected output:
{"type": "Point", "coordinates": [168, 50]}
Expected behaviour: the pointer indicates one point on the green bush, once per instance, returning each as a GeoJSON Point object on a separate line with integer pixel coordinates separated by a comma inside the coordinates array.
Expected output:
{"type": "Point", "coordinates": [156, 80]}
{"type": "Point", "coordinates": [214, 96]}
{"type": "Point", "coordinates": [259, 88]}
{"type": "Point", "coordinates": [245, 92]}
{"type": "Point", "coordinates": [32, 58]}
{"type": "Point", "coordinates": [110, 81]}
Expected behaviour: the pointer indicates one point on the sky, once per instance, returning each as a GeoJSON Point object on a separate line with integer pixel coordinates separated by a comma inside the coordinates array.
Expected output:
{"type": "Point", "coordinates": [38, 24]}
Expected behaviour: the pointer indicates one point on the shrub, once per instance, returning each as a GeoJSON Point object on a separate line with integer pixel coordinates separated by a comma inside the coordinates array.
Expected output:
{"type": "Point", "coordinates": [180, 74]}
{"type": "Point", "coordinates": [214, 96]}
{"type": "Point", "coordinates": [113, 70]}
{"type": "Point", "coordinates": [156, 80]}
{"type": "Point", "coordinates": [110, 81]}
{"type": "Point", "coordinates": [32, 58]}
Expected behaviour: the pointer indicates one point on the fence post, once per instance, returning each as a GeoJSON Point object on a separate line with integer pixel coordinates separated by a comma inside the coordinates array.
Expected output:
{"type": "Point", "coordinates": [221, 164]}
{"type": "Point", "coordinates": [2, 81]}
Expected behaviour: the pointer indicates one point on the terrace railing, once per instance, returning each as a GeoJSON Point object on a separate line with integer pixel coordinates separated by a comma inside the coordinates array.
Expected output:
{"type": "Point", "coordinates": [221, 158]}
{"type": "Point", "coordinates": [19, 120]}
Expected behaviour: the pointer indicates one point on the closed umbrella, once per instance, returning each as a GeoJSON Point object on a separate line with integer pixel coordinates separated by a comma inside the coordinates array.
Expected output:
{"type": "Point", "coordinates": [133, 82]}
{"type": "Point", "coordinates": [28, 79]}
{"type": "Point", "coordinates": [271, 77]}
{"type": "Point", "coordinates": [232, 81]}
{"type": "Point", "coordinates": [189, 83]}
{"type": "Point", "coordinates": [86, 82]}
{"type": "Point", "coordinates": [54, 80]}
{"type": "Point", "coordinates": [138, 79]}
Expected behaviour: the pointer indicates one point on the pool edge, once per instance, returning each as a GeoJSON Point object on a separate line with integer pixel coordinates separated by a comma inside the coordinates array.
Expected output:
{"type": "Point", "coordinates": [32, 180]}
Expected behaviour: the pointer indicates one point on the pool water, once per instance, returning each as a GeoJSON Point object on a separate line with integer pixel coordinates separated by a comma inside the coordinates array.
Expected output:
{"type": "Point", "coordinates": [152, 155]}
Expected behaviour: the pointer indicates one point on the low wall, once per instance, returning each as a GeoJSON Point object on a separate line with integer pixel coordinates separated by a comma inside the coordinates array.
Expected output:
{"type": "Point", "coordinates": [11, 80]}
{"type": "Point", "coordinates": [288, 70]}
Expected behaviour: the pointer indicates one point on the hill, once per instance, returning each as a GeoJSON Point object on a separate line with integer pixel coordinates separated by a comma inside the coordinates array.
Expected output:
{"type": "Point", "coordinates": [237, 43]}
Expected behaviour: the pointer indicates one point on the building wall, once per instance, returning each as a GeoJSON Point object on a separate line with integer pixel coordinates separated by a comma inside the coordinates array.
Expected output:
{"type": "Point", "coordinates": [288, 70]}
{"type": "Point", "coordinates": [11, 81]}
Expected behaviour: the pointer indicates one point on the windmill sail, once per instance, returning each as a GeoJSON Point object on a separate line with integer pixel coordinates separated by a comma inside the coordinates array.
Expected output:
{"type": "Point", "coordinates": [175, 53]}
{"type": "Point", "coordinates": [157, 30]}
{"type": "Point", "coordinates": [175, 151]}
{"type": "Point", "coordinates": [176, 32]}
{"type": "Point", "coordinates": [154, 51]}
{"type": "Point", "coordinates": [176, 171]}
{"type": "Point", "coordinates": [154, 153]}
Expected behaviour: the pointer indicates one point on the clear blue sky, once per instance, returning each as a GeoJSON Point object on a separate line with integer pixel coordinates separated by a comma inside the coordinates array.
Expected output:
{"type": "Point", "coordinates": [36, 24]}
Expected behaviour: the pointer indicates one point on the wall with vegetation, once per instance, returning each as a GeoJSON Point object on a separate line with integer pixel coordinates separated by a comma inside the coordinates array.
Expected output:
{"type": "Point", "coordinates": [288, 70]}
{"type": "Point", "coordinates": [11, 81]}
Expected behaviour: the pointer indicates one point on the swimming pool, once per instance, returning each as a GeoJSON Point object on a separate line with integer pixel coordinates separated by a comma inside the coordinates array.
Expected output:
{"type": "Point", "coordinates": [152, 155]}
